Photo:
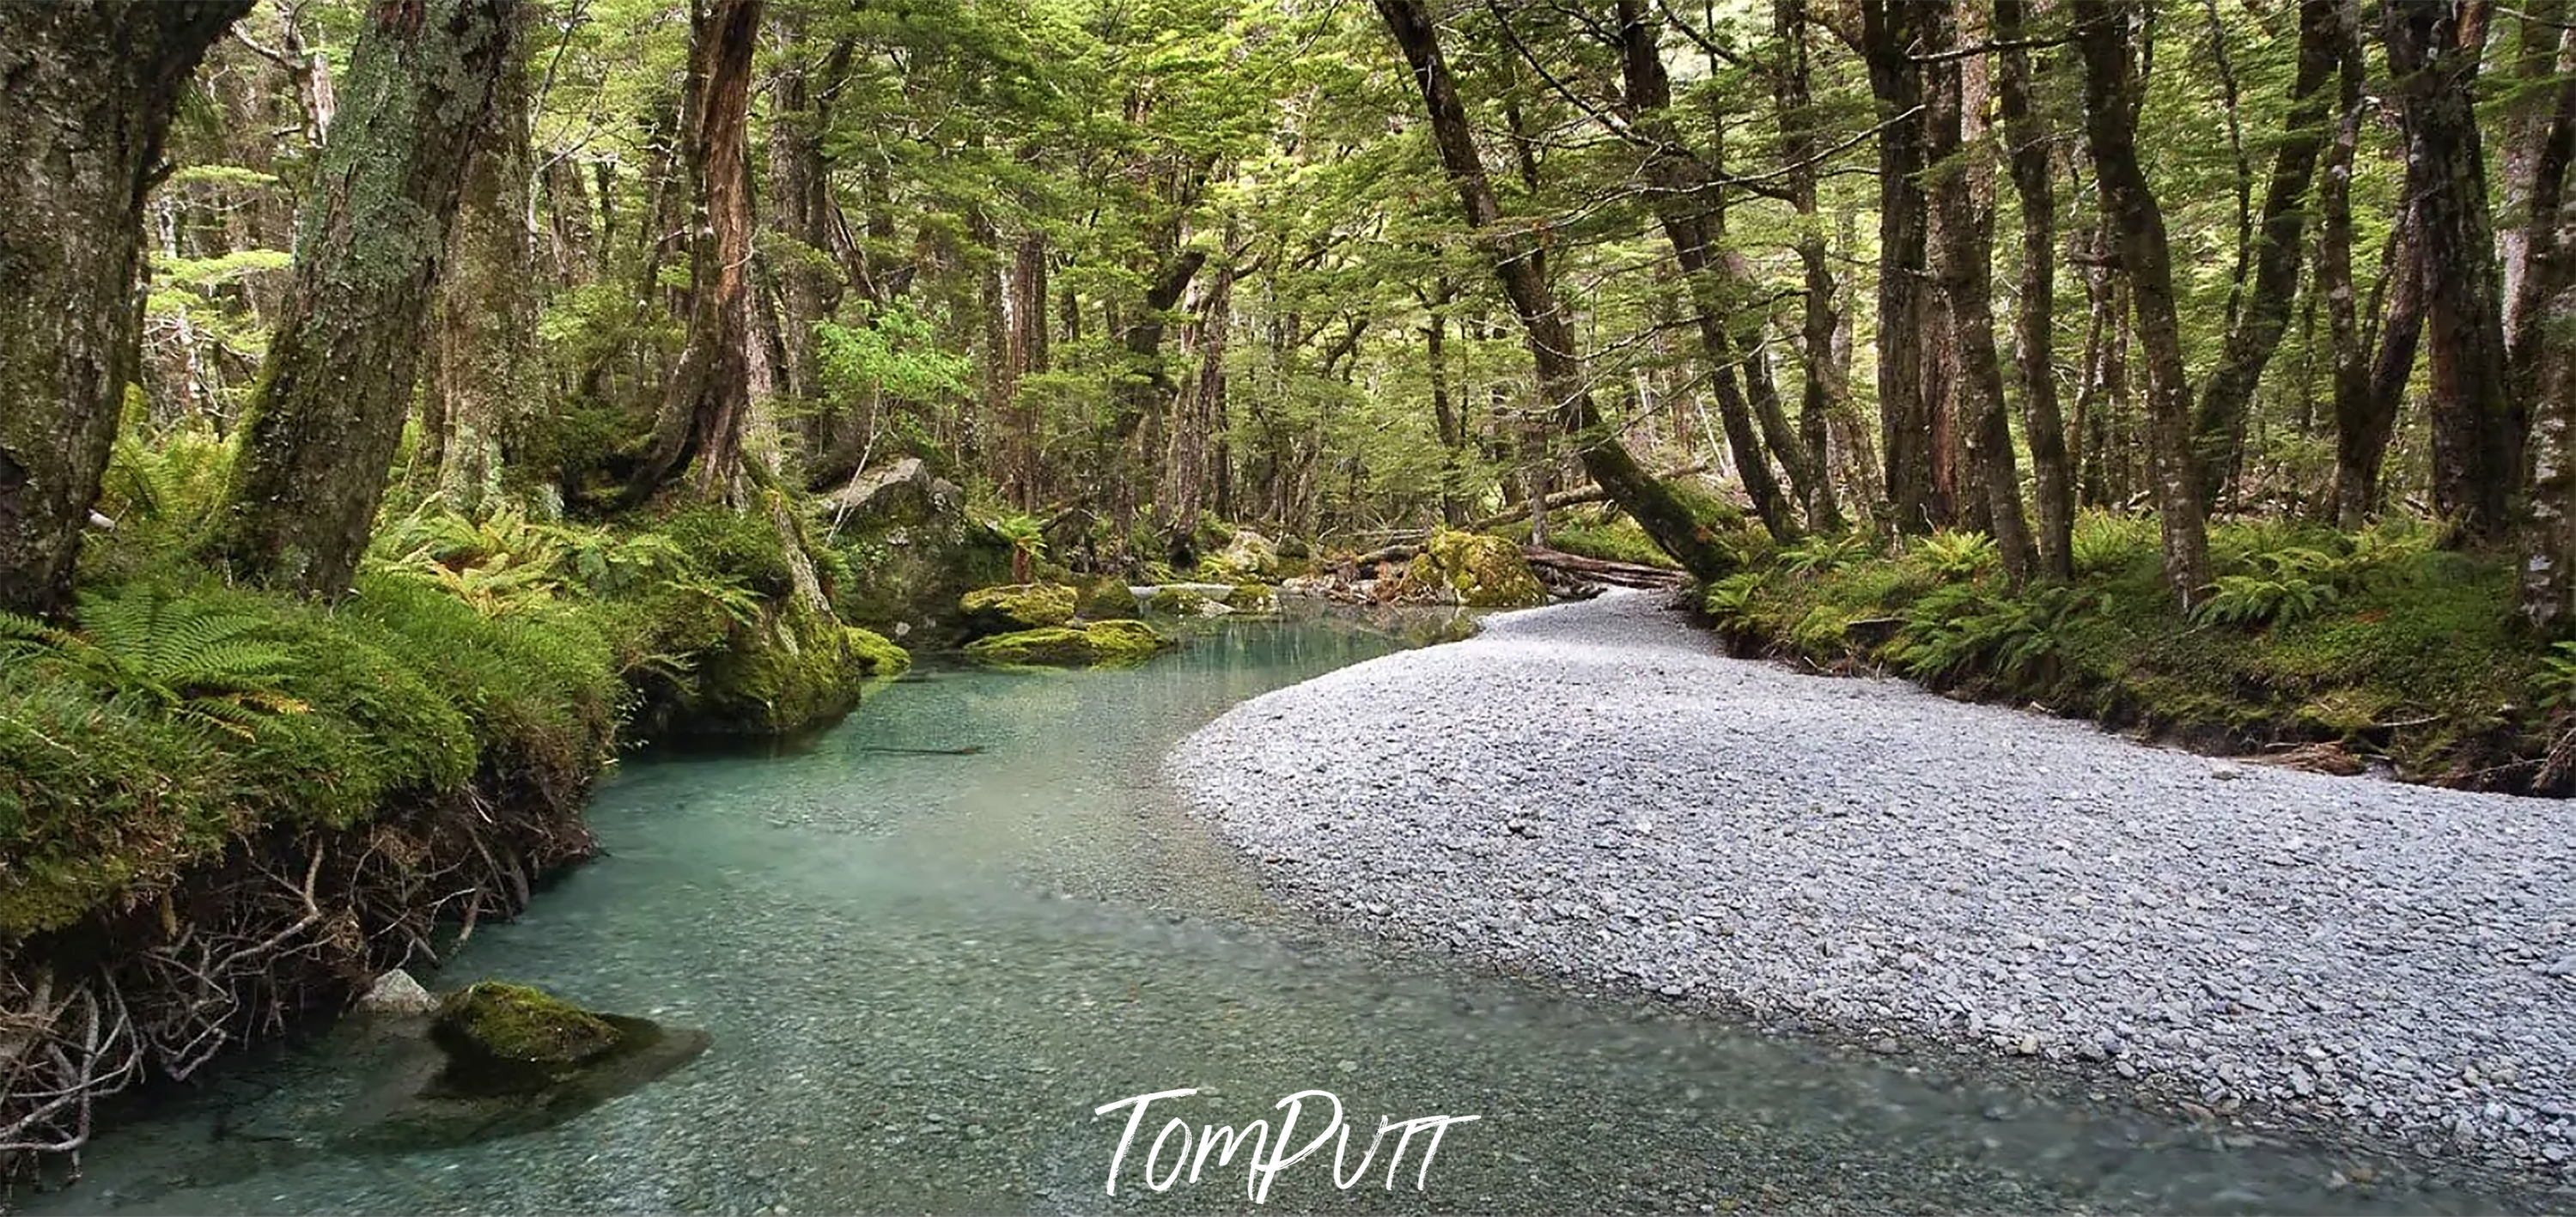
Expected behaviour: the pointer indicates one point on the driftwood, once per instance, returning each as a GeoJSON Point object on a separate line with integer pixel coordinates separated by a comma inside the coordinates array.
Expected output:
{"type": "Point", "coordinates": [1624, 574]}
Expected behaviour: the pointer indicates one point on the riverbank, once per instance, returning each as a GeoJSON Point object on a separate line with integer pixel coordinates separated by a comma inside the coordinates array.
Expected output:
{"type": "Point", "coordinates": [1590, 789]}
{"type": "Point", "coordinates": [223, 810]}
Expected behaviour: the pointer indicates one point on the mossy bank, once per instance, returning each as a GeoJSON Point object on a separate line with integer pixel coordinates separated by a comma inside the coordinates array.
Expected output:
{"type": "Point", "coordinates": [2347, 653]}
{"type": "Point", "coordinates": [221, 809]}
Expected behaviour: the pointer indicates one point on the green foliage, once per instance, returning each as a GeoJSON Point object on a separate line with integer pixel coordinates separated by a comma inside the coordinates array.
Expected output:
{"type": "Point", "coordinates": [894, 352]}
{"type": "Point", "coordinates": [2554, 686]}
{"type": "Point", "coordinates": [179, 657]}
{"type": "Point", "coordinates": [1955, 555]}
{"type": "Point", "coordinates": [1730, 601]}
{"type": "Point", "coordinates": [1960, 628]}
{"type": "Point", "coordinates": [2106, 544]}
{"type": "Point", "coordinates": [1821, 554]}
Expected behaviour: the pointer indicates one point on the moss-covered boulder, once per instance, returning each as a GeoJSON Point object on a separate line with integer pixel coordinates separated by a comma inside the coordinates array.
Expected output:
{"type": "Point", "coordinates": [1013, 607]}
{"type": "Point", "coordinates": [1253, 598]}
{"type": "Point", "coordinates": [1472, 569]}
{"type": "Point", "coordinates": [1103, 598]}
{"type": "Point", "coordinates": [876, 655]}
{"type": "Point", "coordinates": [793, 669]}
{"type": "Point", "coordinates": [1089, 644]}
{"type": "Point", "coordinates": [911, 549]}
{"type": "Point", "coordinates": [499, 1030]}
{"type": "Point", "coordinates": [1247, 557]}
{"type": "Point", "coordinates": [1183, 602]}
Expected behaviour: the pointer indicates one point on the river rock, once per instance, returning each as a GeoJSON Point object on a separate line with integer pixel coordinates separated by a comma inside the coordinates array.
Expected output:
{"type": "Point", "coordinates": [396, 993]}
{"type": "Point", "coordinates": [1017, 606]}
{"type": "Point", "coordinates": [506, 1038]}
{"type": "Point", "coordinates": [1088, 644]}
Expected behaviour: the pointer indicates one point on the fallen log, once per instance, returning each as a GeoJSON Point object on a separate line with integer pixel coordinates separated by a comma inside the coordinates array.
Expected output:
{"type": "Point", "coordinates": [1625, 574]}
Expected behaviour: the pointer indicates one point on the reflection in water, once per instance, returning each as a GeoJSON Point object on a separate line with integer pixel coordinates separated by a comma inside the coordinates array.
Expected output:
{"type": "Point", "coordinates": [930, 942]}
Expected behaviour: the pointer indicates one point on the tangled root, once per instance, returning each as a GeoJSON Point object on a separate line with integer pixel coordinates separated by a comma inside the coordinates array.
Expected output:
{"type": "Point", "coordinates": [283, 926]}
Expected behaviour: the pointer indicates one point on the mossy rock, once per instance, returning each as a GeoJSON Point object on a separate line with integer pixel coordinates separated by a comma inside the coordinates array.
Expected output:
{"type": "Point", "coordinates": [791, 670]}
{"type": "Point", "coordinates": [876, 655]}
{"type": "Point", "coordinates": [1103, 598]}
{"type": "Point", "coordinates": [1476, 570]}
{"type": "Point", "coordinates": [1182, 602]}
{"type": "Point", "coordinates": [1253, 598]}
{"type": "Point", "coordinates": [1247, 556]}
{"type": "Point", "coordinates": [498, 1031]}
{"type": "Point", "coordinates": [1091, 644]}
{"type": "Point", "coordinates": [1016, 606]}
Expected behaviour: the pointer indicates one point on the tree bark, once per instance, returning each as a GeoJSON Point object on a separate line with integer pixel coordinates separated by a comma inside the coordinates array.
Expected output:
{"type": "Point", "coordinates": [486, 309]}
{"type": "Point", "coordinates": [2433, 52]}
{"type": "Point", "coordinates": [1821, 388]}
{"type": "Point", "coordinates": [2256, 329]}
{"type": "Point", "coordinates": [323, 424]}
{"type": "Point", "coordinates": [1890, 32]}
{"type": "Point", "coordinates": [1966, 280]}
{"type": "Point", "coordinates": [2112, 94]}
{"type": "Point", "coordinates": [2540, 143]}
{"type": "Point", "coordinates": [2027, 139]}
{"type": "Point", "coordinates": [1665, 516]}
{"type": "Point", "coordinates": [709, 400]}
{"type": "Point", "coordinates": [92, 86]}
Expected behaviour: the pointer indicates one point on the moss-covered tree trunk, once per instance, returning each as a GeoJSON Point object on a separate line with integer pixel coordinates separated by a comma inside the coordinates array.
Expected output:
{"type": "Point", "coordinates": [1889, 31]}
{"type": "Point", "coordinates": [1664, 514]}
{"type": "Point", "coordinates": [322, 427]}
{"type": "Point", "coordinates": [709, 399]}
{"type": "Point", "coordinates": [90, 87]}
{"type": "Point", "coordinates": [2027, 136]}
{"type": "Point", "coordinates": [2433, 55]}
{"type": "Point", "coordinates": [2112, 96]}
{"type": "Point", "coordinates": [487, 303]}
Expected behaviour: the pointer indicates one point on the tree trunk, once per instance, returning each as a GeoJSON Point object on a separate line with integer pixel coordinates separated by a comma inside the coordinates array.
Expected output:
{"type": "Point", "coordinates": [2112, 94]}
{"type": "Point", "coordinates": [328, 414]}
{"type": "Point", "coordinates": [2433, 52]}
{"type": "Point", "coordinates": [1665, 516]}
{"type": "Point", "coordinates": [1966, 280]}
{"type": "Point", "coordinates": [486, 310]}
{"type": "Point", "coordinates": [1821, 390]}
{"type": "Point", "coordinates": [2026, 135]}
{"type": "Point", "coordinates": [1444, 413]}
{"type": "Point", "coordinates": [2360, 435]}
{"type": "Point", "coordinates": [1682, 187]}
{"type": "Point", "coordinates": [2540, 143]}
{"type": "Point", "coordinates": [1890, 30]}
{"type": "Point", "coordinates": [92, 86]}
{"type": "Point", "coordinates": [709, 401]}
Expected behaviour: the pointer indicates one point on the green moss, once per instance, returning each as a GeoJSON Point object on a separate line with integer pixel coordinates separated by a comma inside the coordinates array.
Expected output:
{"type": "Point", "coordinates": [521, 1025]}
{"type": "Point", "coordinates": [2416, 655]}
{"type": "Point", "coordinates": [1102, 598]}
{"type": "Point", "coordinates": [793, 669]}
{"type": "Point", "coordinates": [1177, 602]}
{"type": "Point", "coordinates": [1091, 644]}
{"type": "Point", "coordinates": [1476, 570]}
{"type": "Point", "coordinates": [1253, 598]}
{"type": "Point", "coordinates": [1019, 606]}
{"type": "Point", "coordinates": [876, 654]}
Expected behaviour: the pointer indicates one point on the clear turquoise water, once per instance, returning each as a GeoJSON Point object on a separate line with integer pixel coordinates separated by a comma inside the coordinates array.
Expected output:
{"type": "Point", "coordinates": [924, 972]}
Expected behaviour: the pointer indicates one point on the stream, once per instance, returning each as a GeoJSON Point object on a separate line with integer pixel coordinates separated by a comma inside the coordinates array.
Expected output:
{"type": "Point", "coordinates": [924, 968]}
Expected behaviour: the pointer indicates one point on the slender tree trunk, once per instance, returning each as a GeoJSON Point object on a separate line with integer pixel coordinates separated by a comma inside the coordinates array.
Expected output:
{"type": "Point", "coordinates": [1966, 281]}
{"type": "Point", "coordinates": [91, 87]}
{"type": "Point", "coordinates": [2540, 143]}
{"type": "Point", "coordinates": [2111, 99]}
{"type": "Point", "coordinates": [486, 310]}
{"type": "Point", "coordinates": [1821, 388]}
{"type": "Point", "coordinates": [2433, 52]}
{"type": "Point", "coordinates": [1666, 517]}
{"type": "Point", "coordinates": [1682, 187]}
{"type": "Point", "coordinates": [2359, 437]}
{"type": "Point", "coordinates": [709, 399]}
{"type": "Point", "coordinates": [328, 413]}
{"type": "Point", "coordinates": [2026, 135]}
{"type": "Point", "coordinates": [2256, 329]}
{"type": "Point", "coordinates": [1444, 413]}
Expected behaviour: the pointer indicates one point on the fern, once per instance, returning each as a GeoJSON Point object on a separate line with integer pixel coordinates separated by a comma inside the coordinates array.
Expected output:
{"type": "Point", "coordinates": [2554, 687]}
{"type": "Point", "coordinates": [1730, 600]}
{"type": "Point", "coordinates": [2252, 600]}
{"type": "Point", "coordinates": [1962, 627]}
{"type": "Point", "coordinates": [1955, 555]}
{"type": "Point", "coordinates": [185, 659]}
{"type": "Point", "coordinates": [1820, 555]}
{"type": "Point", "coordinates": [2105, 542]}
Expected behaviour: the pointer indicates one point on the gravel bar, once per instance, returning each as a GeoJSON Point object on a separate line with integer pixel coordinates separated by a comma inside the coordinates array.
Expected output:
{"type": "Point", "coordinates": [1593, 789]}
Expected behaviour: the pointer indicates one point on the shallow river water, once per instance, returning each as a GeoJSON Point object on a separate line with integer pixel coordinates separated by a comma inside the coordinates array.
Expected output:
{"type": "Point", "coordinates": [924, 972]}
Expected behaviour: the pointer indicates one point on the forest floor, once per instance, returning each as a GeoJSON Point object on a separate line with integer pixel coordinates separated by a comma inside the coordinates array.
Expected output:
{"type": "Point", "coordinates": [1592, 789]}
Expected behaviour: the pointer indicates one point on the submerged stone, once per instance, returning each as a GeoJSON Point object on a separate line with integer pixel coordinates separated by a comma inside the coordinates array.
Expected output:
{"type": "Point", "coordinates": [511, 1037]}
{"type": "Point", "coordinates": [1090, 644]}
{"type": "Point", "coordinates": [396, 993]}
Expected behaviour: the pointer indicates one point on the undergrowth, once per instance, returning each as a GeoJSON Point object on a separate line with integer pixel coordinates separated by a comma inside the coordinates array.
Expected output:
{"type": "Point", "coordinates": [2377, 643]}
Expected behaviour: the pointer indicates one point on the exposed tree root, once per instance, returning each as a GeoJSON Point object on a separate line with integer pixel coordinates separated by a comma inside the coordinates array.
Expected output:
{"type": "Point", "coordinates": [283, 926]}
